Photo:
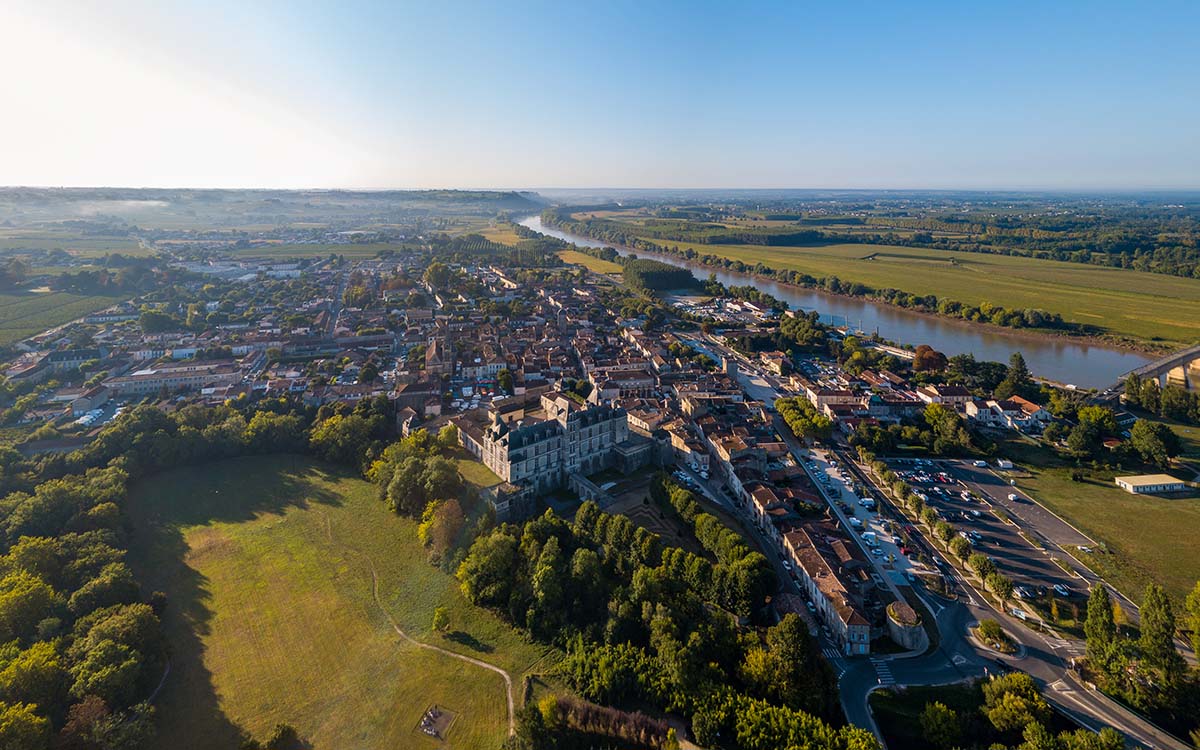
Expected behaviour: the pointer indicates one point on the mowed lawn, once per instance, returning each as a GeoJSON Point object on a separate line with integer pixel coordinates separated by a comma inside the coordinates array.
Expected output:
{"type": "Point", "coordinates": [1132, 303]}
{"type": "Point", "coordinates": [24, 314]}
{"type": "Point", "coordinates": [591, 263]}
{"type": "Point", "coordinates": [267, 564]}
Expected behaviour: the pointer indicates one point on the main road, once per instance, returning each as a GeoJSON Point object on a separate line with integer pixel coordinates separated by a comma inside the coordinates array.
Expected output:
{"type": "Point", "coordinates": [957, 655]}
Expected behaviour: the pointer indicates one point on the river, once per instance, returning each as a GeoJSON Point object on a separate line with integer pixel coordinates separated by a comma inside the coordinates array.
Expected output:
{"type": "Point", "coordinates": [1060, 359]}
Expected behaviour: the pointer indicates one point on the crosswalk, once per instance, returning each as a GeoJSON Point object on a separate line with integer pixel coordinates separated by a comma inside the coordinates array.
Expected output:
{"type": "Point", "coordinates": [831, 653]}
{"type": "Point", "coordinates": [884, 671]}
{"type": "Point", "coordinates": [1074, 648]}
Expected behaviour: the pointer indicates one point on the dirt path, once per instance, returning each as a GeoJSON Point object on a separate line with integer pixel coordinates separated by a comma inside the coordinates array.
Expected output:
{"type": "Point", "coordinates": [508, 690]}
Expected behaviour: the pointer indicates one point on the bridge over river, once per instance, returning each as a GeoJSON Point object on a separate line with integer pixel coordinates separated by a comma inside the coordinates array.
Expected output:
{"type": "Point", "coordinates": [1181, 368]}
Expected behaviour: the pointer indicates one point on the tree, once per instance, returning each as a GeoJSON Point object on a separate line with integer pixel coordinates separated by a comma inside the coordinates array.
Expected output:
{"type": "Point", "coordinates": [486, 575]}
{"type": "Point", "coordinates": [109, 670]}
{"type": "Point", "coordinates": [441, 619]}
{"type": "Point", "coordinates": [991, 631]}
{"type": "Point", "coordinates": [1013, 701]}
{"type": "Point", "coordinates": [341, 439]}
{"type": "Point", "coordinates": [940, 725]}
{"type": "Point", "coordinates": [928, 359]}
{"type": "Point", "coordinates": [1000, 585]}
{"type": "Point", "coordinates": [1192, 622]}
{"type": "Point", "coordinates": [1099, 629]}
{"type": "Point", "coordinates": [1017, 381]}
{"type": "Point", "coordinates": [1157, 639]}
{"type": "Point", "coordinates": [21, 728]}
{"type": "Point", "coordinates": [437, 275]}
{"type": "Point", "coordinates": [36, 674]}
{"type": "Point", "coordinates": [447, 439]}
{"type": "Point", "coordinates": [504, 379]}
{"type": "Point", "coordinates": [25, 600]}
{"type": "Point", "coordinates": [1155, 442]}
{"type": "Point", "coordinates": [1084, 439]}
{"type": "Point", "coordinates": [960, 547]}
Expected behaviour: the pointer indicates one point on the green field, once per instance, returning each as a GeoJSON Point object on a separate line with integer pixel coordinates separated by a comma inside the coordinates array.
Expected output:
{"type": "Point", "coordinates": [1143, 534]}
{"type": "Point", "coordinates": [84, 247]}
{"type": "Point", "coordinates": [23, 314]}
{"type": "Point", "coordinates": [502, 234]}
{"type": "Point", "coordinates": [592, 264]}
{"type": "Point", "coordinates": [267, 564]}
{"type": "Point", "coordinates": [1132, 303]}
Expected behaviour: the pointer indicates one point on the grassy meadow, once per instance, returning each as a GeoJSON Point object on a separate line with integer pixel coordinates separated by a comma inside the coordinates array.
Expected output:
{"type": "Point", "coordinates": [591, 263]}
{"type": "Point", "coordinates": [267, 565]}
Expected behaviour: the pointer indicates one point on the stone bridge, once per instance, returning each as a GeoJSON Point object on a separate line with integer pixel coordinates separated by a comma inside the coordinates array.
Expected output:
{"type": "Point", "coordinates": [1180, 368]}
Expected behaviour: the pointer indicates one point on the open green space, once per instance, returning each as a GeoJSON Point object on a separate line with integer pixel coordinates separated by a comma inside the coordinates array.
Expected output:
{"type": "Point", "coordinates": [268, 563]}
{"type": "Point", "coordinates": [1142, 534]}
{"type": "Point", "coordinates": [1133, 303]}
{"type": "Point", "coordinates": [23, 314]}
{"type": "Point", "coordinates": [595, 265]}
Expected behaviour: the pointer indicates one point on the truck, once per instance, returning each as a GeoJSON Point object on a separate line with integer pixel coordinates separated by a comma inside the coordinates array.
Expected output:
{"type": "Point", "coordinates": [1003, 463]}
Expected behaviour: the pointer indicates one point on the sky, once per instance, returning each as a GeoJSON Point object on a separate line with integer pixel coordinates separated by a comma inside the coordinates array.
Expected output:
{"type": "Point", "coordinates": [1095, 95]}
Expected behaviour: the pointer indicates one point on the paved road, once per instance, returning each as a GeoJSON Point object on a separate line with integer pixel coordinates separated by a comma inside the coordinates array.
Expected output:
{"type": "Point", "coordinates": [1046, 658]}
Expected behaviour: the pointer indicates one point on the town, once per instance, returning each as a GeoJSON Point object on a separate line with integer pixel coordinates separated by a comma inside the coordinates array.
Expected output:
{"type": "Point", "coordinates": [873, 484]}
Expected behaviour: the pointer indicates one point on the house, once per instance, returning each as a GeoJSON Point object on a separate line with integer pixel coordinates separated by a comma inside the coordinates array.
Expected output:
{"type": "Point", "coordinates": [835, 579]}
{"type": "Point", "coordinates": [1150, 484]}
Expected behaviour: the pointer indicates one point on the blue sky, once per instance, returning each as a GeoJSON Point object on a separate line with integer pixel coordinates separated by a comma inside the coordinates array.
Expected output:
{"type": "Point", "coordinates": [1094, 95]}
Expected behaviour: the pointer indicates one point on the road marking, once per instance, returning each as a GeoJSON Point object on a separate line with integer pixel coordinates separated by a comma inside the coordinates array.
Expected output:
{"type": "Point", "coordinates": [831, 653]}
{"type": "Point", "coordinates": [884, 672]}
{"type": "Point", "coordinates": [958, 659]}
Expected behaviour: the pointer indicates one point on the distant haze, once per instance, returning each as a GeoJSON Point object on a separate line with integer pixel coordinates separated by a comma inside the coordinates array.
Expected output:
{"type": "Point", "coordinates": [1096, 95]}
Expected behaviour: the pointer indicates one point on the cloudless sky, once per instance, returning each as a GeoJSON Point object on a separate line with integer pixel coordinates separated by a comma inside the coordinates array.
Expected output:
{"type": "Point", "coordinates": [221, 93]}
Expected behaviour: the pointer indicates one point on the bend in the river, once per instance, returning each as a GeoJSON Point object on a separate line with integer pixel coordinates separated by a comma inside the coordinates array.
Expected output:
{"type": "Point", "coordinates": [1060, 359]}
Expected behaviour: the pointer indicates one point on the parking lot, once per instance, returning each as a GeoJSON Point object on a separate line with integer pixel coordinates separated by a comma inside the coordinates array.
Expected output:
{"type": "Point", "coordinates": [964, 498]}
{"type": "Point", "coordinates": [855, 506]}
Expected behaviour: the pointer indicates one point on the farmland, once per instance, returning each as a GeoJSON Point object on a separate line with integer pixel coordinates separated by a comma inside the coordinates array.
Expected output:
{"type": "Point", "coordinates": [1133, 303]}
{"type": "Point", "coordinates": [23, 314]}
{"type": "Point", "coordinates": [43, 240]}
{"type": "Point", "coordinates": [502, 234]}
{"type": "Point", "coordinates": [591, 263]}
{"type": "Point", "coordinates": [268, 564]}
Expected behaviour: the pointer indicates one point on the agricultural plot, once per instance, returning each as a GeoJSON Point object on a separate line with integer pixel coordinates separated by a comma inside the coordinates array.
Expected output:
{"type": "Point", "coordinates": [23, 314]}
{"type": "Point", "coordinates": [593, 264]}
{"type": "Point", "coordinates": [275, 569]}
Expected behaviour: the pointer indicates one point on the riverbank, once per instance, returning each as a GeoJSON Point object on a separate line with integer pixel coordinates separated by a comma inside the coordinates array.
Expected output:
{"type": "Point", "coordinates": [940, 273]}
{"type": "Point", "coordinates": [1088, 362]}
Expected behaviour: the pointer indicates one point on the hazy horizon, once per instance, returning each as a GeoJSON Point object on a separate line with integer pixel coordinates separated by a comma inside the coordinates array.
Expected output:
{"type": "Point", "coordinates": [1077, 97]}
